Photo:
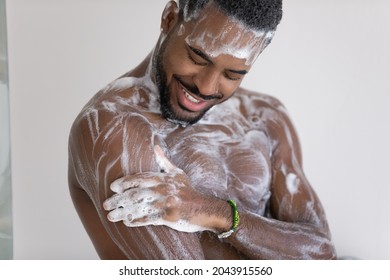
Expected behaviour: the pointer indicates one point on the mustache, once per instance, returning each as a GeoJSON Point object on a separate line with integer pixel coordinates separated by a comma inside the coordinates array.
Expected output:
{"type": "Point", "coordinates": [194, 90]}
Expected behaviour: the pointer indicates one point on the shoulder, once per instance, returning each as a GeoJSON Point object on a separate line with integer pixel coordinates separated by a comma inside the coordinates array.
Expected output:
{"type": "Point", "coordinates": [125, 95]}
{"type": "Point", "coordinates": [114, 120]}
{"type": "Point", "coordinates": [256, 101]}
{"type": "Point", "coordinates": [274, 118]}
{"type": "Point", "coordinates": [124, 99]}
{"type": "Point", "coordinates": [253, 110]}
{"type": "Point", "coordinates": [262, 107]}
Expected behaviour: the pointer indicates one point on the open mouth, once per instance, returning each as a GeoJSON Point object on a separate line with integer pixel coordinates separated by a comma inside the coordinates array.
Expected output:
{"type": "Point", "coordinates": [189, 101]}
{"type": "Point", "coordinates": [190, 97]}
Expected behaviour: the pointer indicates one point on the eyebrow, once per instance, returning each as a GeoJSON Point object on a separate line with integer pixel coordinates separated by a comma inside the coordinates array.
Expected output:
{"type": "Point", "coordinates": [201, 54]}
{"type": "Point", "coordinates": [205, 57]}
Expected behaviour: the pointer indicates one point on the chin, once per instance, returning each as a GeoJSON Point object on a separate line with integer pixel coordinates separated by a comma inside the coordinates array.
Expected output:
{"type": "Point", "coordinates": [181, 116]}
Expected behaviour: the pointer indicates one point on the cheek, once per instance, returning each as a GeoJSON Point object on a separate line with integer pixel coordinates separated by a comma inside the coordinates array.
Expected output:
{"type": "Point", "coordinates": [167, 66]}
{"type": "Point", "coordinates": [183, 67]}
{"type": "Point", "coordinates": [176, 62]}
{"type": "Point", "coordinates": [173, 65]}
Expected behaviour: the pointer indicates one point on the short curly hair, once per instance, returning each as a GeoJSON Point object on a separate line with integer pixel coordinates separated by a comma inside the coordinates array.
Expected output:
{"type": "Point", "coordinates": [261, 15]}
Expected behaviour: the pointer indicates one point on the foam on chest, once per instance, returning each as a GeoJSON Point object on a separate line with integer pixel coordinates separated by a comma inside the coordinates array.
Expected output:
{"type": "Point", "coordinates": [225, 157]}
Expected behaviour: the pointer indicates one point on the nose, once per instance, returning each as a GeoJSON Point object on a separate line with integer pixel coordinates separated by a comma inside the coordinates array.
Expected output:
{"type": "Point", "coordinates": [207, 80]}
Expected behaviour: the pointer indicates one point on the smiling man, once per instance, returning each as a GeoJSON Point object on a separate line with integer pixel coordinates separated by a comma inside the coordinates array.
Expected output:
{"type": "Point", "coordinates": [174, 160]}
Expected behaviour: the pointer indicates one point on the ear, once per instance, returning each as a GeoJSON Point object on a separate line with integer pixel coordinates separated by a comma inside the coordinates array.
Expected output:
{"type": "Point", "coordinates": [169, 17]}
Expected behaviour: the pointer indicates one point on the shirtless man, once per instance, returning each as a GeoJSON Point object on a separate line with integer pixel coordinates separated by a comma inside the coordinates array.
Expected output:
{"type": "Point", "coordinates": [155, 156]}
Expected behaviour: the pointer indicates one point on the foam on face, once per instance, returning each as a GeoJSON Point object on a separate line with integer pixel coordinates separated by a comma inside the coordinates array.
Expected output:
{"type": "Point", "coordinates": [228, 37]}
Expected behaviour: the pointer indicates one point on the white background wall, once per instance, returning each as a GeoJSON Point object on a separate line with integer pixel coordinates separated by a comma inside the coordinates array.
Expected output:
{"type": "Point", "coordinates": [328, 63]}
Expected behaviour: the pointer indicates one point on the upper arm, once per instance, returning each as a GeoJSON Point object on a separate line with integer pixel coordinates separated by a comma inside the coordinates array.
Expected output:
{"type": "Point", "coordinates": [293, 199]}
{"type": "Point", "coordinates": [109, 146]}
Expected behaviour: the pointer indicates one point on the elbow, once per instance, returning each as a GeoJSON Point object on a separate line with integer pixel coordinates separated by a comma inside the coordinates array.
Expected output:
{"type": "Point", "coordinates": [323, 246]}
{"type": "Point", "coordinates": [325, 250]}
{"type": "Point", "coordinates": [328, 251]}
{"type": "Point", "coordinates": [320, 247]}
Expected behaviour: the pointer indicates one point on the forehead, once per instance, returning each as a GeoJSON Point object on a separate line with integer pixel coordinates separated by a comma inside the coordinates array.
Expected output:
{"type": "Point", "coordinates": [217, 34]}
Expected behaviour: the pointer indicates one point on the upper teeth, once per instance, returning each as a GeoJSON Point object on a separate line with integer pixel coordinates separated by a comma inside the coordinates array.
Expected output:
{"type": "Point", "coordinates": [190, 97]}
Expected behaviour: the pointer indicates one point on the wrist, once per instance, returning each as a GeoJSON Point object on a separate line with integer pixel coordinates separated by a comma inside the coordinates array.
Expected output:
{"type": "Point", "coordinates": [234, 221]}
{"type": "Point", "coordinates": [212, 213]}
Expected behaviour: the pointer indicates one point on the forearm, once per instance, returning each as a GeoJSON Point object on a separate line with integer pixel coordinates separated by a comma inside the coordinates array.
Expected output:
{"type": "Point", "coordinates": [156, 243]}
{"type": "Point", "coordinates": [259, 237]}
{"type": "Point", "coordinates": [264, 238]}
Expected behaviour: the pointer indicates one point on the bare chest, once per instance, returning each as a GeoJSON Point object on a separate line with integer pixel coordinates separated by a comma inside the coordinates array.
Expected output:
{"type": "Point", "coordinates": [226, 154]}
{"type": "Point", "coordinates": [226, 162]}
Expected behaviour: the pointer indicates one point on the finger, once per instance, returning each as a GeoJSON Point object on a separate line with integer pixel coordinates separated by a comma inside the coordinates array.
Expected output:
{"type": "Point", "coordinates": [121, 184]}
{"type": "Point", "coordinates": [128, 214]}
{"type": "Point", "coordinates": [154, 219]}
{"type": "Point", "coordinates": [145, 180]}
{"type": "Point", "coordinates": [117, 215]}
{"type": "Point", "coordinates": [135, 216]}
{"type": "Point", "coordinates": [133, 199]}
{"type": "Point", "coordinates": [112, 202]}
{"type": "Point", "coordinates": [121, 200]}
{"type": "Point", "coordinates": [163, 161]}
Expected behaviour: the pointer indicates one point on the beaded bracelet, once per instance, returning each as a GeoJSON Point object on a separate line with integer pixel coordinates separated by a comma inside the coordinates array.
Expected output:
{"type": "Point", "coordinates": [236, 220]}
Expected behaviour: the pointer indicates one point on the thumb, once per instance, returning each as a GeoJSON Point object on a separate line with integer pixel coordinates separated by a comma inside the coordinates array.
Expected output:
{"type": "Point", "coordinates": [163, 162]}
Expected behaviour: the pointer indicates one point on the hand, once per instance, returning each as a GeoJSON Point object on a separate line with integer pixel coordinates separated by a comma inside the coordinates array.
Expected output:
{"type": "Point", "coordinates": [154, 198]}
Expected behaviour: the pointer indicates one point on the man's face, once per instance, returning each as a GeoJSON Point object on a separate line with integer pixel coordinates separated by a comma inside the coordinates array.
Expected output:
{"type": "Point", "coordinates": [202, 62]}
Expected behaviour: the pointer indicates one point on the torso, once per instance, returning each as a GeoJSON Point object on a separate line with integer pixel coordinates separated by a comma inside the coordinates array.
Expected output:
{"type": "Point", "coordinates": [227, 154]}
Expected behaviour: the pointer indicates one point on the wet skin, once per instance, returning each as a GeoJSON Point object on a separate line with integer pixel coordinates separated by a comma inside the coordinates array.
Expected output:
{"type": "Point", "coordinates": [244, 148]}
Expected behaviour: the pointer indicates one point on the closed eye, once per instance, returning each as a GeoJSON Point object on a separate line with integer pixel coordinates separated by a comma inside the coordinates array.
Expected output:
{"type": "Point", "coordinates": [235, 75]}
{"type": "Point", "coordinates": [232, 78]}
{"type": "Point", "coordinates": [199, 58]}
{"type": "Point", "coordinates": [197, 61]}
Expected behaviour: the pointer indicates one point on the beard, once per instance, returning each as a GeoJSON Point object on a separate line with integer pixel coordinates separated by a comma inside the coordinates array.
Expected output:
{"type": "Point", "coordinates": [179, 115]}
